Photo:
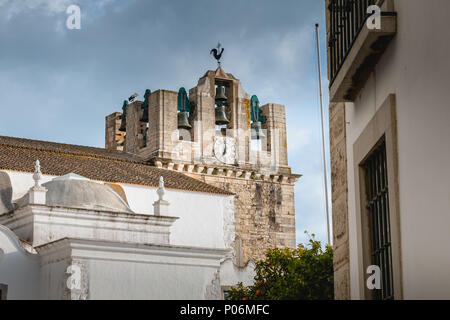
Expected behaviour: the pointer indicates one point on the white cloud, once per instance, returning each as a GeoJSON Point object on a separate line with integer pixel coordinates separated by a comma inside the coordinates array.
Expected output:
{"type": "Point", "coordinates": [309, 196]}
{"type": "Point", "coordinates": [298, 138]}
{"type": "Point", "coordinates": [272, 55]}
{"type": "Point", "coordinates": [49, 6]}
{"type": "Point", "coordinates": [53, 6]}
{"type": "Point", "coordinates": [291, 48]}
{"type": "Point", "coordinates": [16, 7]}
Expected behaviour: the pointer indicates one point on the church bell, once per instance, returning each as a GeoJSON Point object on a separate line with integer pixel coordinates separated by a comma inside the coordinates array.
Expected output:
{"type": "Point", "coordinates": [221, 117]}
{"type": "Point", "coordinates": [183, 121]}
{"type": "Point", "coordinates": [144, 106]}
{"type": "Point", "coordinates": [220, 94]}
{"type": "Point", "coordinates": [144, 117]}
{"type": "Point", "coordinates": [257, 132]}
{"type": "Point", "coordinates": [123, 124]}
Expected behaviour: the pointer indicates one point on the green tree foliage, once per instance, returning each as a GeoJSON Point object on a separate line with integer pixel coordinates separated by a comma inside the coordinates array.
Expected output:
{"type": "Point", "coordinates": [304, 273]}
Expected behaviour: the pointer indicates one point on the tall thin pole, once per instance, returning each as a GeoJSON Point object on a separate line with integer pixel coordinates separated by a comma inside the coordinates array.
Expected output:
{"type": "Point", "coordinates": [323, 135]}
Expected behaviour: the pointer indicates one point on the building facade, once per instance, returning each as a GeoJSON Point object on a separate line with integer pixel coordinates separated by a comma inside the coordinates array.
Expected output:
{"type": "Point", "coordinates": [389, 143]}
{"type": "Point", "coordinates": [224, 156]}
{"type": "Point", "coordinates": [189, 191]}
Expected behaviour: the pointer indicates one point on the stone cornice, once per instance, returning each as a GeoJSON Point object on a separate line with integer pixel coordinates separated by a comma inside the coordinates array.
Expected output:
{"type": "Point", "coordinates": [231, 172]}
{"type": "Point", "coordinates": [74, 248]}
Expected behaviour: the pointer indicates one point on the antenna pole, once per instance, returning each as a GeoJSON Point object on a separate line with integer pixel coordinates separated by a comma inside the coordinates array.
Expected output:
{"type": "Point", "coordinates": [323, 135]}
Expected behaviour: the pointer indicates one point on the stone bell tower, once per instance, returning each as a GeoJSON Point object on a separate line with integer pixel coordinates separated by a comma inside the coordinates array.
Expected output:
{"type": "Point", "coordinates": [244, 152]}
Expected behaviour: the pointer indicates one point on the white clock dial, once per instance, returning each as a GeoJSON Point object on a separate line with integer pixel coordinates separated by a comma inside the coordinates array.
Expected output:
{"type": "Point", "coordinates": [225, 149]}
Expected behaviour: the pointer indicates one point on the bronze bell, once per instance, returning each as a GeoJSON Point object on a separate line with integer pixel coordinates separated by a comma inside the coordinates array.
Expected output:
{"type": "Point", "coordinates": [183, 122]}
{"type": "Point", "coordinates": [123, 141]}
{"type": "Point", "coordinates": [144, 106]}
{"type": "Point", "coordinates": [144, 117]}
{"type": "Point", "coordinates": [220, 94]}
{"type": "Point", "coordinates": [221, 117]}
{"type": "Point", "coordinates": [123, 124]}
{"type": "Point", "coordinates": [257, 132]}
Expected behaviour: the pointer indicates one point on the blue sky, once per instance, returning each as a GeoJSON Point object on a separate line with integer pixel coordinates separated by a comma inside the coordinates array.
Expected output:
{"type": "Point", "coordinates": [58, 84]}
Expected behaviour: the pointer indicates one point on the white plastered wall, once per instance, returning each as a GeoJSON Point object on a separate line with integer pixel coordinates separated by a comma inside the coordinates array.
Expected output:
{"type": "Point", "coordinates": [415, 68]}
{"type": "Point", "coordinates": [19, 269]}
{"type": "Point", "coordinates": [206, 220]}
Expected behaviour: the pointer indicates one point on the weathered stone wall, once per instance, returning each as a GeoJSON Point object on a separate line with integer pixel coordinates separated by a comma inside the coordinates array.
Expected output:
{"type": "Point", "coordinates": [276, 132]}
{"type": "Point", "coordinates": [134, 136]}
{"type": "Point", "coordinates": [264, 214]}
{"type": "Point", "coordinates": [339, 195]}
{"type": "Point", "coordinates": [162, 123]}
{"type": "Point", "coordinates": [338, 151]}
{"type": "Point", "coordinates": [204, 117]}
{"type": "Point", "coordinates": [113, 137]}
{"type": "Point", "coordinates": [264, 202]}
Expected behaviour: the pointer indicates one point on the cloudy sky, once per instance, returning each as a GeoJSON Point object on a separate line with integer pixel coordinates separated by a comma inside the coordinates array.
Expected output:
{"type": "Point", "coordinates": [58, 84]}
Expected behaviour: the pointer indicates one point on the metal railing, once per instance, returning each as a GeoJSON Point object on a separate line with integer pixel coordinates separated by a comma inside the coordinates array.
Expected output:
{"type": "Point", "coordinates": [347, 18]}
{"type": "Point", "coordinates": [380, 227]}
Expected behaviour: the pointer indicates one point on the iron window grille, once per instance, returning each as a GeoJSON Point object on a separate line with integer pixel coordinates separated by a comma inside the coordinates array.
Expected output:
{"type": "Point", "coordinates": [347, 18]}
{"type": "Point", "coordinates": [378, 209]}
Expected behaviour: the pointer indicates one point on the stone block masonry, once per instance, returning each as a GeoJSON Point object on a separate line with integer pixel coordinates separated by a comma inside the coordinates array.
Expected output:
{"type": "Point", "coordinates": [264, 214]}
{"type": "Point", "coordinates": [339, 187]}
{"type": "Point", "coordinates": [113, 137]}
{"type": "Point", "coordinates": [260, 179]}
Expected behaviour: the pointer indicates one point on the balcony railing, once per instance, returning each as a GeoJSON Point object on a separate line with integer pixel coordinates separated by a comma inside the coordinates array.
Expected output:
{"type": "Point", "coordinates": [347, 18]}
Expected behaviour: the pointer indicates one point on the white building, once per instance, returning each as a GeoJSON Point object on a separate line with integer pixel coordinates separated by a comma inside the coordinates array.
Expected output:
{"type": "Point", "coordinates": [93, 226]}
{"type": "Point", "coordinates": [64, 236]}
{"type": "Point", "coordinates": [390, 147]}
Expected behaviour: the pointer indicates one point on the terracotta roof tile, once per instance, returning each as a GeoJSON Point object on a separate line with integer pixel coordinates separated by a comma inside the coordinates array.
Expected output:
{"type": "Point", "coordinates": [93, 163]}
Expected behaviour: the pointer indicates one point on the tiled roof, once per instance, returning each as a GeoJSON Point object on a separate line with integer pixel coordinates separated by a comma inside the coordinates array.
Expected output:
{"type": "Point", "coordinates": [93, 163]}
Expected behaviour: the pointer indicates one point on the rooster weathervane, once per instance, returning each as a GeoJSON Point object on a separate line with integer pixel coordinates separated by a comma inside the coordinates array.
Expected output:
{"type": "Point", "coordinates": [216, 53]}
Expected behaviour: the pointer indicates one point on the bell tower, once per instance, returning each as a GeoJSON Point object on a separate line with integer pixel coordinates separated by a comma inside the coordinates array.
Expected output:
{"type": "Point", "coordinates": [221, 113]}
{"type": "Point", "coordinates": [219, 134]}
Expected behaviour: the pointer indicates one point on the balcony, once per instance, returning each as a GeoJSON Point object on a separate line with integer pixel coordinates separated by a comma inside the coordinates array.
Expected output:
{"type": "Point", "coordinates": [353, 48]}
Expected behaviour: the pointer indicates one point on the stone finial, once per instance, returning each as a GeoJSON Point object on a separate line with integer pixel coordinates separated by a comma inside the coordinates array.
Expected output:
{"type": "Point", "coordinates": [161, 191]}
{"type": "Point", "coordinates": [161, 206]}
{"type": "Point", "coordinates": [37, 176]}
{"type": "Point", "coordinates": [37, 194]}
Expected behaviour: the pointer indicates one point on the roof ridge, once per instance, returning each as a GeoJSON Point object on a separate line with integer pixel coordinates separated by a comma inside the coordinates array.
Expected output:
{"type": "Point", "coordinates": [57, 148]}
{"type": "Point", "coordinates": [94, 163]}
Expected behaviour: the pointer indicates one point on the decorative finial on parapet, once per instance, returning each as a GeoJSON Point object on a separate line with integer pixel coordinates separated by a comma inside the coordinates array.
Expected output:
{"type": "Point", "coordinates": [37, 194]}
{"type": "Point", "coordinates": [161, 207]}
{"type": "Point", "coordinates": [37, 176]}
{"type": "Point", "coordinates": [161, 191]}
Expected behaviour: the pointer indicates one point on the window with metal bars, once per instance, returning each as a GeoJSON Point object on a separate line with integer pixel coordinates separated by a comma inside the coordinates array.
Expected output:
{"type": "Point", "coordinates": [378, 210]}
{"type": "Point", "coordinates": [347, 18]}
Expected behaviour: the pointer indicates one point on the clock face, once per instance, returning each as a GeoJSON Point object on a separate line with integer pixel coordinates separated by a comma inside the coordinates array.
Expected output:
{"type": "Point", "coordinates": [224, 149]}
